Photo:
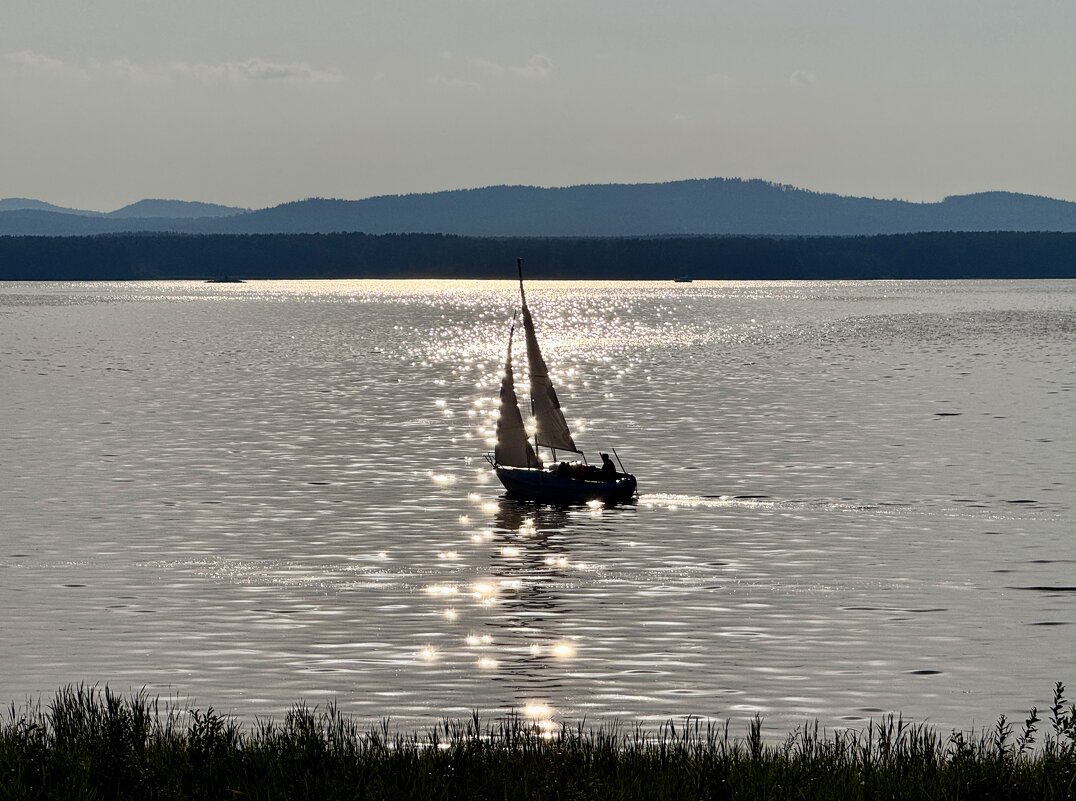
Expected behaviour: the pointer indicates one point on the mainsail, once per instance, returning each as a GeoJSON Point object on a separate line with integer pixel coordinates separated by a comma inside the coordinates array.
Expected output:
{"type": "Point", "coordinates": [552, 429]}
{"type": "Point", "coordinates": [513, 448]}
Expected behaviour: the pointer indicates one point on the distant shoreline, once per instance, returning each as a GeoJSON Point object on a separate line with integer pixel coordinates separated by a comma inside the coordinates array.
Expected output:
{"type": "Point", "coordinates": [939, 255]}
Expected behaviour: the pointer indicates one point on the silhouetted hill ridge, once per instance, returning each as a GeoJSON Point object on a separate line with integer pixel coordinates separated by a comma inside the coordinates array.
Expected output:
{"type": "Point", "coordinates": [25, 216]}
{"type": "Point", "coordinates": [175, 209]}
{"type": "Point", "coordinates": [26, 203]}
{"type": "Point", "coordinates": [707, 207]}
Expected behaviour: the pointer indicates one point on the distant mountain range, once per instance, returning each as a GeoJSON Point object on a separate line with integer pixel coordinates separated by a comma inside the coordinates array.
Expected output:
{"type": "Point", "coordinates": [716, 206]}
{"type": "Point", "coordinates": [149, 209]}
{"type": "Point", "coordinates": [26, 204]}
{"type": "Point", "coordinates": [174, 209]}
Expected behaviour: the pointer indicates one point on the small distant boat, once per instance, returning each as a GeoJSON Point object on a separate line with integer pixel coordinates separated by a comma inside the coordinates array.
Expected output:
{"type": "Point", "coordinates": [515, 460]}
{"type": "Point", "coordinates": [227, 279]}
{"type": "Point", "coordinates": [683, 279]}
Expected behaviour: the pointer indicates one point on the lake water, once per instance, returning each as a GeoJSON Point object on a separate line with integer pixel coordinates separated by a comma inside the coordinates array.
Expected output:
{"type": "Point", "coordinates": [855, 498]}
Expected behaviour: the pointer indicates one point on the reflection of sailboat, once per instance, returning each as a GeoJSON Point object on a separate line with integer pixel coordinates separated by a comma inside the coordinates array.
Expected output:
{"type": "Point", "coordinates": [512, 515]}
{"type": "Point", "coordinates": [514, 459]}
{"type": "Point", "coordinates": [532, 554]}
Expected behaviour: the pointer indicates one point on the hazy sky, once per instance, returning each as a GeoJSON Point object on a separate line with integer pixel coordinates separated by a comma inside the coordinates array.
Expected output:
{"type": "Point", "coordinates": [255, 102]}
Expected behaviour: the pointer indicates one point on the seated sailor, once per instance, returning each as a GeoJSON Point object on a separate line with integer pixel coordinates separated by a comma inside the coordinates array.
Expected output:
{"type": "Point", "coordinates": [608, 468]}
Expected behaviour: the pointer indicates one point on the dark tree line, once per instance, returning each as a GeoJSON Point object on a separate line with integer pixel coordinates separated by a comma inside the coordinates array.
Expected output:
{"type": "Point", "coordinates": [924, 255]}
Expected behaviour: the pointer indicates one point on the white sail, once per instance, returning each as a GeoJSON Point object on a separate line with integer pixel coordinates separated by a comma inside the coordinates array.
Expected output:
{"type": "Point", "coordinates": [552, 429]}
{"type": "Point", "coordinates": [513, 449]}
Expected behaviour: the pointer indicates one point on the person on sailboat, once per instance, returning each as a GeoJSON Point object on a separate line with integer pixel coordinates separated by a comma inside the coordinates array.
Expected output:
{"type": "Point", "coordinates": [608, 468]}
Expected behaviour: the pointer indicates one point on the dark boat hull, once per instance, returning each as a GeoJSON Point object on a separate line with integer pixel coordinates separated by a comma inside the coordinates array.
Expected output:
{"type": "Point", "coordinates": [547, 487]}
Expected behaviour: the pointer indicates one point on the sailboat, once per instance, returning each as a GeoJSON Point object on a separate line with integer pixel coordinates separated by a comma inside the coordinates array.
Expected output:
{"type": "Point", "coordinates": [516, 461]}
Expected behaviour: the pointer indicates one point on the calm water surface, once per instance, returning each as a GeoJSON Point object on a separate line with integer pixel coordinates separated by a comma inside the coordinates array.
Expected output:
{"type": "Point", "coordinates": [855, 498]}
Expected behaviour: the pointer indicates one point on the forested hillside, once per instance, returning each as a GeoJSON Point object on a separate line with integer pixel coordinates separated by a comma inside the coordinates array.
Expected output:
{"type": "Point", "coordinates": [145, 256]}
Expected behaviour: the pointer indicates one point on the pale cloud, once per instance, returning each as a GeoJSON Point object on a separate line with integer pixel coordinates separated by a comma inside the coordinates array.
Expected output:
{"type": "Point", "coordinates": [453, 83]}
{"type": "Point", "coordinates": [122, 68]}
{"type": "Point", "coordinates": [801, 78]}
{"type": "Point", "coordinates": [539, 66]}
{"type": "Point", "coordinates": [29, 58]}
{"type": "Point", "coordinates": [254, 69]}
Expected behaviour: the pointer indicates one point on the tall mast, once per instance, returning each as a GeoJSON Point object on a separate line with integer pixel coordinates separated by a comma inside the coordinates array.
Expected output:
{"type": "Point", "coordinates": [523, 298]}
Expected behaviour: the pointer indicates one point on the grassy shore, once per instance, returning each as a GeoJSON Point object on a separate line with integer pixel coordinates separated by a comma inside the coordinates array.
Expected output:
{"type": "Point", "coordinates": [91, 743]}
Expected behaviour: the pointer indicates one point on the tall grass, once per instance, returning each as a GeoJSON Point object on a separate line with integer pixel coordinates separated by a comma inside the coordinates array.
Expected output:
{"type": "Point", "coordinates": [90, 743]}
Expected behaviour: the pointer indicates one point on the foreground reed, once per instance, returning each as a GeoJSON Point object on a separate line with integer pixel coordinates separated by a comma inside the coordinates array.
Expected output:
{"type": "Point", "coordinates": [91, 743]}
